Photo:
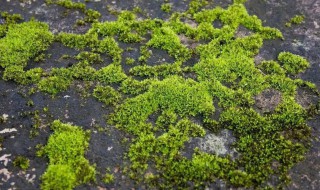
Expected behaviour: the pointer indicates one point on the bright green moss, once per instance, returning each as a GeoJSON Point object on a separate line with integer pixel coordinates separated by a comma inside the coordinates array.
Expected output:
{"type": "Point", "coordinates": [67, 165]}
{"type": "Point", "coordinates": [293, 64]}
{"type": "Point", "coordinates": [90, 57]}
{"type": "Point", "coordinates": [108, 178]}
{"type": "Point", "coordinates": [111, 74]}
{"type": "Point", "coordinates": [107, 95]}
{"type": "Point", "coordinates": [271, 68]}
{"type": "Point", "coordinates": [58, 176]}
{"type": "Point", "coordinates": [158, 104]}
{"type": "Point", "coordinates": [166, 7]}
{"type": "Point", "coordinates": [166, 39]}
{"type": "Point", "coordinates": [22, 42]}
{"type": "Point", "coordinates": [186, 97]}
{"type": "Point", "coordinates": [92, 15]}
{"type": "Point", "coordinates": [53, 85]}
{"type": "Point", "coordinates": [135, 87]}
{"type": "Point", "coordinates": [69, 4]}
{"type": "Point", "coordinates": [159, 70]}
{"type": "Point", "coordinates": [297, 19]}
{"type": "Point", "coordinates": [130, 61]}
{"type": "Point", "coordinates": [195, 5]}
{"type": "Point", "coordinates": [9, 20]}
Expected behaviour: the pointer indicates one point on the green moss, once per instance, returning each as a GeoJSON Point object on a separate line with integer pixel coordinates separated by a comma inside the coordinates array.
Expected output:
{"type": "Point", "coordinates": [135, 87]}
{"type": "Point", "coordinates": [111, 74]}
{"type": "Point", "coordinates": [159, 70]}
{"type": "Point", "coordinates": [108, 178]}
{"type": "Point", "coordinates": [166, 39]}
{"type": "Point", "coordinates": [67, 165]}
{"type": "Point", "coordinates": [22, 42]}
{"type": "Point", "coordinates": [130, 61]}
{"type": "Point", "coordinates": [293, 64]}
{"type": "Point", "coordinates": [21, 162]}
{"type": "Point", "coordinates": [297, 19]}
{"type": "Point", "coordinates": [53, 85]}
{"type": "Point", "coordinates": [90, 57]}
{"type": "Point", "coordinates": [185, 97]}
{"type": "Point", "coordinates": [166, 7]}
{"type": "Point", "coordinates": [58, 176]}
{"type": "Point", "coordinates": [69, 4]}
{"type": "Point", "coordinates": [158, 104]}
{"type": "Point", "coordinates": [9, 20]}
{"type": "Point", "coordinates": [107, 95]}
{"type": "Point", "coordinates": [92, 15]}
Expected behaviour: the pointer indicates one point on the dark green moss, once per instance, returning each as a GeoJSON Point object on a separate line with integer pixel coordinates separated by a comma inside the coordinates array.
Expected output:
{"type": "Point", "coordinates": [21, 162]}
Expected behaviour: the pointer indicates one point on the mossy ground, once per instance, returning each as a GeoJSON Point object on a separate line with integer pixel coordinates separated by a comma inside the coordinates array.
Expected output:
{"type": "Point", "coordinates": [269, 142]}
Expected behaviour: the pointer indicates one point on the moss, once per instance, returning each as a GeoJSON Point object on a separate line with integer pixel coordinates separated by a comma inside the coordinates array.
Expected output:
{"type": "Point", "coordinates": [108, 178]}
{"type": "Point", "coordinates": [69, 4]}
{"type": "Point", "coordinates": [21, 162]}
{"type": "Point", "coordinates": [90, 57]}
{"type": "Point", "coordinates": [107, 95]}
{"type": "Point", "coordinates": [157, 104]}
{"type": "Point", "coordinates": [166, 39]}
{"type": "Point", "coordinates": [183, 96]}
{"type": "Point", "coordinates": [293, 64]}
{"type": "Point", "coordinates": [159, 70]}
{"type": "Point", "coordinates": [22, 42]}
{"type": "Point", "coordinates": [135, 87]}
{"type": "Point", "coordinates": [111, 74]}
{"type": "Point", "coordinates": [92, 15]}
{"type": "Point", "coordinates": [130, 61]}
{"type": "Point", "coordinates": [297, 19]}
{"type": "Point", "coordinates": [67, 165]}
{"type": "Point", "coordinates": [58, 176]}
{"type": "Point", "coordinates": [166, 7]}
{"type": "Point", "coordinates": [53, 85]}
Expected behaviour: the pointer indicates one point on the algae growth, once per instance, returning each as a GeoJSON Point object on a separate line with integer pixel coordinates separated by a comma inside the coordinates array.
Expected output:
{"type": "Point", "coordinates": [181, 95]}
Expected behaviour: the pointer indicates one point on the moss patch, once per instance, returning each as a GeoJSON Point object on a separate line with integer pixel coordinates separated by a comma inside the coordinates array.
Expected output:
{"type": "Point", "coordinates": [158, 104]}
{"type": "Point", "coordinates": [67, 165]}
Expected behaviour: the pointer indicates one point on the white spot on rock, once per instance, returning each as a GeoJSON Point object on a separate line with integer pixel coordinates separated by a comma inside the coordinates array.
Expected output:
{"type": "Point", "coordinates": [5, 159]}
{"type": "Point", "coordinates": [7, 130]}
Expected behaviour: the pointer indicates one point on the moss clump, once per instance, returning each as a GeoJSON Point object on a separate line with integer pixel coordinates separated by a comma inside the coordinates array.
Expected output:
{"type": "Point", "coordinates": [108, 178]}
{"type": "Point", "coordinates": [21, 162]}
{"type": "Point", "coordinates": [67, 165]}
{"type": "Point", "coordinates": [297, 19]}
{"type": "Point", "coordinates": [22, 42]}
{"type": "Point", "coordinates": [53, 85]}
{"type": "Point", "coordinates": [166, 7]}
{"type": "Point", "coordinates": [111, 74]}
{"type": "Point", "coordinates": [107, 95]}
{"type": "Point", "coordinates": [186, 97]}
{"type": "Point", "coordinates": [69, 4]}
{"type": "Point", "coordinates": [9, 20]}
{"type": "Point", "coordinates": [293, 64]}
{"type": "Point", "coordinates": [166, 39]}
